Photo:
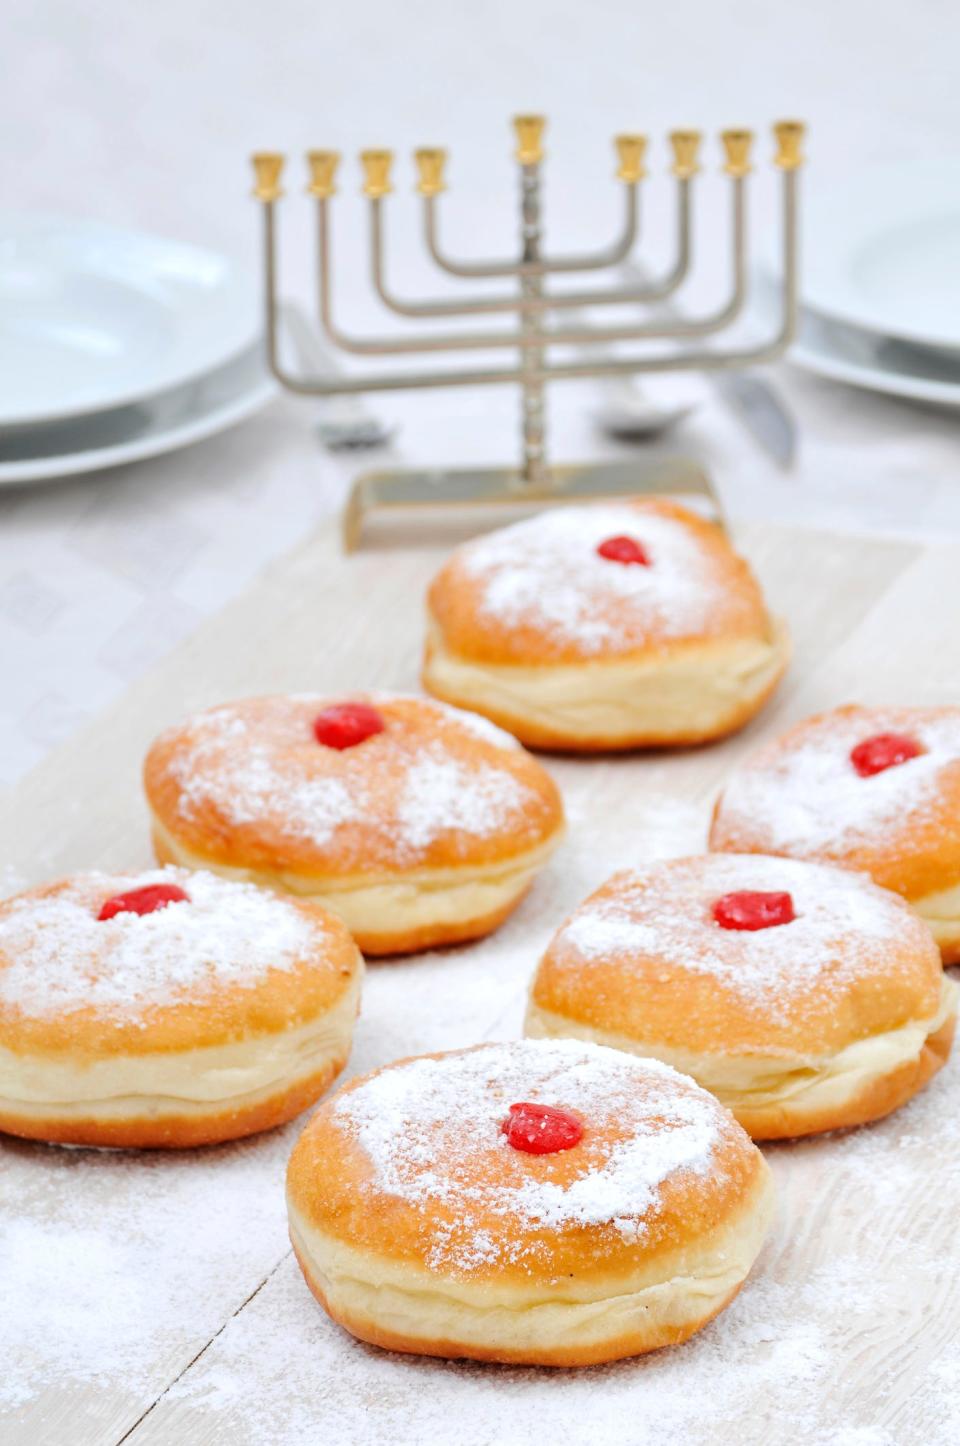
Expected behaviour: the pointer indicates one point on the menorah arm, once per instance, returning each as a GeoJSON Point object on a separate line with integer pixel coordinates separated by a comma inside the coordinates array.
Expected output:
{"type": "Point", "coordinates": [693, 360]}
{"type": "Point", "coordinates": [696, 361]}
{"type": "Point", "coordinates": [476, 270]}
{"type": "Point", "coordinates": [633, 295]}
{"type": "Point", "coordinates": [524, 340]}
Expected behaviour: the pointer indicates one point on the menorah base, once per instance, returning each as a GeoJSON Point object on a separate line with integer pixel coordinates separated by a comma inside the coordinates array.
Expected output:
{"type": "Point", "coordinates": [420, 491]}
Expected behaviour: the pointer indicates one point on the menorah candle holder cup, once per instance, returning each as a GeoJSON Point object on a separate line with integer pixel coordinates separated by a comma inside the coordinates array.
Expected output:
{"type": "Point", "coordinates": [534, 325]}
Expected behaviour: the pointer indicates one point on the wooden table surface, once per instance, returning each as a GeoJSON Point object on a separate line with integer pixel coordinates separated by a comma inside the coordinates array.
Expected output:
{"type": "Point", "coordinates": [152, 1298]}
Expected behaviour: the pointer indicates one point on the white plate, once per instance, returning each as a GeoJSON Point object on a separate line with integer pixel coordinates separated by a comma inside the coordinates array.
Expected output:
{"type": "Point", "coordinates": [882, 252]}
{"type": "Point", "coordinates": [147, 429]}
{"type": "Point", "coordinates": [93, 317]}
{"type": "Point", "coordinates": [877, 364]}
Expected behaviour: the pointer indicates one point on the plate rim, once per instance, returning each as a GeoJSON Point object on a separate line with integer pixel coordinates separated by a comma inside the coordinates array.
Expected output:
{"type": "Point", "coordinates": [242, 282]}
{"type": "Point", "coordinates": [219, 418]}
{"type": "Point", "coordinates": [873, 379]}
{"type": "Point", "coordinates": [821, 362]}
{"type": "Point", "coordinates": [823, 291]}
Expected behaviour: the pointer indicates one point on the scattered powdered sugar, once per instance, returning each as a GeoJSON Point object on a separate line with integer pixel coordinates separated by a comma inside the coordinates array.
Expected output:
{"type": "Point", "coordinates": [245, 777]}
{"type": "Point", "coordinates": [425, 1126]}
{"type": "Point", "coordinates": [118, 1266]}
{"type": "Point", "coordinates": [250, 768]}
{"type": "Point", "coordinates": [806, 797]}
{"type": "Point", "coordinates": [308, 1372]}
{"type": "Point", "coordinates": [439, 793]}
{"type": "Point", "coordinates": [57, 956]}
{"type": "Point", "coordinates": [545, 573]}
{"type": "Point", "coordinates": [845, 927]}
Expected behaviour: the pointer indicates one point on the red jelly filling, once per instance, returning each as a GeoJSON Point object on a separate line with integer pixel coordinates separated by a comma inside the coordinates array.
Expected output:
{"type": "Point", "coordinates": [624, 549]}
{"type": "Point", "coordinates": [344, 725]}
{"type": "Point", "coordinates": [885, 750]}
{"type": "Point", "coordinates": [748, 909]}
{"type": "Point", "coordinates": [541, 1129]}
{"type": "Point", "coordinates": [143, 901]}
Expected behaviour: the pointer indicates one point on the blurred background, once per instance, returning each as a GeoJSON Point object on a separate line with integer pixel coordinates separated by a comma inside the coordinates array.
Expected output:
{"type": "Point", "coordinates": [143, 117]}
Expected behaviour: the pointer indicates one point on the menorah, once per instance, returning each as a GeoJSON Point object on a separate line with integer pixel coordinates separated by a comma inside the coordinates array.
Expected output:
{"type": "Point", "coordinates": [528, 306]}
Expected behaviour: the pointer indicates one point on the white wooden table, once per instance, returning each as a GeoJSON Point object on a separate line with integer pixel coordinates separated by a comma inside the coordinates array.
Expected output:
{"type": "Point", "coordinates": [152, 1298]}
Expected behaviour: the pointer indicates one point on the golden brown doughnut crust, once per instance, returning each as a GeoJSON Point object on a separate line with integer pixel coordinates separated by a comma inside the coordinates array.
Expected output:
{"type": "Point", "coordinates": [275, 1003]}
{"type": "Point", "coordinates": [216, 1017]}
{"type": "Point", "coordinates": [335, 1188]}
{"type": "Point", "coordinates": [350, 843]}
{"type": "Point", "coordinates": [643, 955]}
{"type": "Point", "coordinates": [471, 630]}
{"type": "Point", "coordinates": [331, 1180]}
{"type": "Point", "coordinates": [832, 1019]}
{"type": "Point", "coordinates": [799, 796]}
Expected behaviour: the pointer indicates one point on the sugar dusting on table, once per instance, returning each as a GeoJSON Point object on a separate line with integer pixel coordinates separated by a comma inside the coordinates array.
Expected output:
{"type": "Point", "coordinates": [424, 1152]}
{"type": "Point", "coordinates": [114, 1263]}
{"type": "Point", "coordinates": [57, 956]}
{"type": "Point", "coordinates": [808, 798]}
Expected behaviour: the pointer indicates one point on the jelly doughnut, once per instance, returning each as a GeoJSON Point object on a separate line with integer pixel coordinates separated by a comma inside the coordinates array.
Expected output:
{"type": "Point", "coordinates": [612, 626]}
{"type": "Point", "coordinates": [417, 824]}
{"type": "Point", "coordinates": [802, 995]}
{"type": "Point", "coordinates": [167, 1008]}
{"type": "Point", "coordinates": [546, 1202]}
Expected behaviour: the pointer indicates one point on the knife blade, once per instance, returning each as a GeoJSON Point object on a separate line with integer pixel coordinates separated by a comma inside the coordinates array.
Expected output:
{"type": "Point", "coordinates": [761, 411]}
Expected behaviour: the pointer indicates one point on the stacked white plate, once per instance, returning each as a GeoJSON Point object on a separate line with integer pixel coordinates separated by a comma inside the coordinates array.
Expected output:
{"type": "Point", "coordinates": [881, 282]}
{"type": "Point", "coordinates": [115, 345]}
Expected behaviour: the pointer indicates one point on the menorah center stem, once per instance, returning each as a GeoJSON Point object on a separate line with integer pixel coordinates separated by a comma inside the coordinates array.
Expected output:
{"type": "Point", "coordinates": [531, 322]}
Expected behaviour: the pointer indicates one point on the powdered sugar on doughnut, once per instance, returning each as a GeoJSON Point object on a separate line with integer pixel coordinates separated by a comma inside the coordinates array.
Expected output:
{"type": "Point", "coordinates": [411, 789]}
{"type": "Point", "coordinates": [427, 1126]}
{"type": "Point", "coordinates": [545, 573]}
{"type": "Point", "coordinates": [57, 956]}
{"type": "Point", "coordinates": [439, 793]}
{"type": "Point", "coordinates": [845, 927]}
{"type": "Point", "coordinates": [244, 778]}
{"type": "Point", "coordinates": [806, 798]}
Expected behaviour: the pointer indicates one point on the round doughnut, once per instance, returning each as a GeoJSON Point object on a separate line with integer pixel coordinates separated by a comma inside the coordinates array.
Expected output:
{"type": "Point", "coordinates": [417, 824]}
{"type": "Point", "coordinates": [611, 626]}
{"type": "Point", "coordinates": [544, 1202]}
{"type": "Point", "coordinates": [167, 1008]}
{"type": "Point", "coordinates": [875, 789]}
{"type": "Point", "coordinates": [803, 996]}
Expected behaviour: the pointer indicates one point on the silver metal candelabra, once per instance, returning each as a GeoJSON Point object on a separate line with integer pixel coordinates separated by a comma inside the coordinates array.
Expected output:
{"type": "Point", "coordinates": [528, 305]}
